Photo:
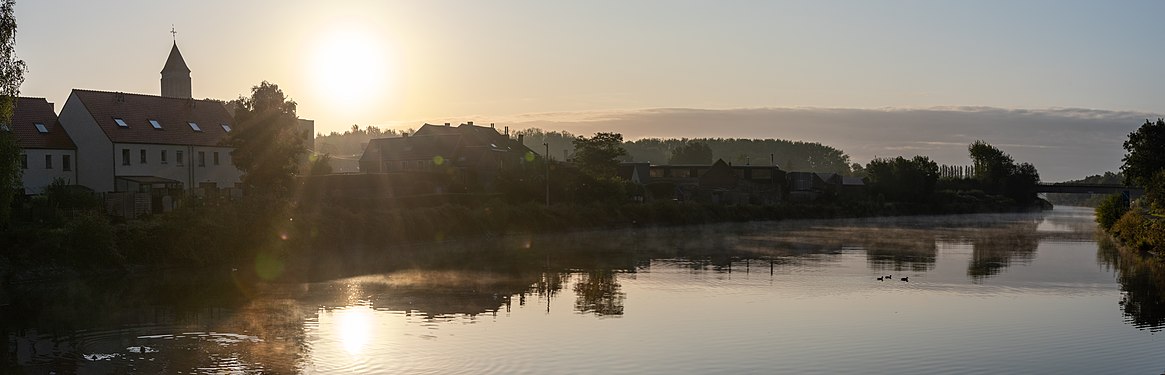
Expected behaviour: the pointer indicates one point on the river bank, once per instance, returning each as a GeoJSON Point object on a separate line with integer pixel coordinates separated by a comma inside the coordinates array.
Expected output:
{"type": "Point", "coordinates": [276, 236]}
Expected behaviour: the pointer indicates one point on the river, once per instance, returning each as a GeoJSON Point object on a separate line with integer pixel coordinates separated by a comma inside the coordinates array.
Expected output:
{"type": "Point", "coordinates": [963, 294]}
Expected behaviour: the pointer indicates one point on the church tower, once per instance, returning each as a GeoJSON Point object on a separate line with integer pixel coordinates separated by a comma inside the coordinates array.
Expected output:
{"type": "Point", "coordinates": [176, 76]}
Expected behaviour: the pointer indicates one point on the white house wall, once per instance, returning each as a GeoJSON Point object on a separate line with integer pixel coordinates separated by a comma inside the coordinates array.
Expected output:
{"type": "Point", "coordinates": [94, 161]}
{"type": "Point", "coordinates": [224, 175]}
{"type": "Point", "coordinates": [37, 176]}
{"type": "Point", "coordinates": [188, 171]}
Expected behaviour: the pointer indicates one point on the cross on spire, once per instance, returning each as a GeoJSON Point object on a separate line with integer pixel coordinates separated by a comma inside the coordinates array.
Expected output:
{"type": "Point", "coordinates": [173, 33]}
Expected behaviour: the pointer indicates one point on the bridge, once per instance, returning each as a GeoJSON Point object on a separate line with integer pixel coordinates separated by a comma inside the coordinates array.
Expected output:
{"type": "Point", "coordinates": [1073, 188]}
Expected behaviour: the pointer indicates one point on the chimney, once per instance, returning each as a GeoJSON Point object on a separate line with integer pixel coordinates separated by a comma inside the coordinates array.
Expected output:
{"type": "Point", "coordinates": [446, 124]}
{"type": "Point", "coordinates": [491, 125]}
{"type": "Point", "coordinates": [470, 123]}
{"type": "Point", "coordinates": [404, 135]}
{"type": "Point", "coordinates": [521, 138]}
{"type": "Point", "coordinates": [507, 131]}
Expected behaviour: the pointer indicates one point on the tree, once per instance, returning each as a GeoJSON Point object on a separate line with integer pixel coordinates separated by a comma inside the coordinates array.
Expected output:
{"type": "Point", "coordinates": [321, 165]}
{"type": "Point", "coordinates": [992, 166]}
{"type": "Point", "coordinates": [11, 76]}
{"type": "Point", "coordinates": [599, 155]}
{"type": "Point", "coordinates": [267, 141]}
{"type": "Point", "coordinates": [999, 174]}
{"type": "Point", "coordinates": [902, 179]}
{"type": "Point", "coordinates": [691, 153]}
{"type": "Point", "coordinates": [1146, 153]}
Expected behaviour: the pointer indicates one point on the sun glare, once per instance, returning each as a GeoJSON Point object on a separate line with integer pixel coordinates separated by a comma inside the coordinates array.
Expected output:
{"type": "Point", "coordinates": [351, 68]}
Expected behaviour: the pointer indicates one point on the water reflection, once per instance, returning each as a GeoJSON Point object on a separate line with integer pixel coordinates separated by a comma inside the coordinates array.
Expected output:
{"type": "Point", "coordinates": [598, 292]}
{"type": "Point", "coordinates": [336, 318]}
{"type": "Point", "coordinates": [1142, 283]}
{"type": "Point", "coordinates": [114, 326]}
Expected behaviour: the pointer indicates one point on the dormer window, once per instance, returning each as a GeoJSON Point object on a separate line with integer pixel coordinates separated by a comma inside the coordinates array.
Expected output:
{"type": "Point", "coordinates": [120, 123]}
{"type": "Point", "coordinates": [155, 124]}
{"type": "Point", "coordinates": [40, 128]}
{"type": "Point", "coordinates": [194, 127]}
{"type": "Point", "coordinates": [226, 128]}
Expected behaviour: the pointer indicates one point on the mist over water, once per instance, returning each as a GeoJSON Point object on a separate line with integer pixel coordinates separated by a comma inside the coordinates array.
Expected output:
{"type": "Point", "coordinates": [997, 293]}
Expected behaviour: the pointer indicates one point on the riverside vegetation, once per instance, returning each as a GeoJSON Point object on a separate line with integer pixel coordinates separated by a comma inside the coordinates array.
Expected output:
{"type": "Point", "coordinates": [271, 236]}
{"type": "Point", "coordinates": [1140, 224]}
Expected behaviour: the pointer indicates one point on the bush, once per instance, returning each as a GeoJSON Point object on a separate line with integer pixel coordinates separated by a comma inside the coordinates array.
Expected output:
{"type": "Point", "coordinates": [1110, 210]}
{"type": "Point", "coordinates": [90, 243]}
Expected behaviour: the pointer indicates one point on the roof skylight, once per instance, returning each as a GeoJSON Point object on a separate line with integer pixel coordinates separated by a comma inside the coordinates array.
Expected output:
{"type": "Point", "coordinates": [40, 128]}
{"type": "Point", "coordinates": [194, 127]}
{"type": "Point", "coordinates": [155, 124]}
{"type": "Point", "coordinates": [226, 128]}
{"type": "Point", "coordinates": [120, 123]}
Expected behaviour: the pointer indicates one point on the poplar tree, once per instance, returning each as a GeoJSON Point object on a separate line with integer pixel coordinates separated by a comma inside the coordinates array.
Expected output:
{"type": "Point", "coordinates": [11, 76]}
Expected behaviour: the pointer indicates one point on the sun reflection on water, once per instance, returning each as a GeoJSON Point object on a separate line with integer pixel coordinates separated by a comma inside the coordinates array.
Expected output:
{"type": "Point", "coordinates": [354, 327]}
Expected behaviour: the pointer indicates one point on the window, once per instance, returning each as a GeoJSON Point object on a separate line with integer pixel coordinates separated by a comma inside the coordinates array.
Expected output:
{"type": "Point", "coordinates": [40, 128]}
{"type": "Point", "coordinates": [66, 163]}
{"type": "Point", "coordinates": [216, 158]}
{"type": "Point", "coordinates": [163, 156]}
{"type": "Point", "coordinates": [48, 161]}
{"type": "Point", "coordinates": [194, 127]}
{"type": "Point", "coordinates": [142, 156]}
{"type": "Point", "coordinates": [23, 161]}
{"type": "Point", "coordinates": [178, 157]}
{"type": "Point", "coordinates": [4, 127]}
{"type": "Point", "coordinates": [226, 128]}
{"type": "Point", "coordinates": [155, 124]}
{"type": "Point", "coordinates": [120, 123]}
{"type": "Point", "coordinates": [202, 158]}
{"type": "Point", "coordinates": [125, 156]}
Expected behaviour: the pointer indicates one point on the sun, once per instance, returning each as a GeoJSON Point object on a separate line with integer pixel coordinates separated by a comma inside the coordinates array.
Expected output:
{"type": "Point", "coordinates": [350, 68]}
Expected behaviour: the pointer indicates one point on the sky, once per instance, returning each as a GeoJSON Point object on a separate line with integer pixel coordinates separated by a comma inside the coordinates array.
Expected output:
{"type": "Point", "coordinates": [403, 63]}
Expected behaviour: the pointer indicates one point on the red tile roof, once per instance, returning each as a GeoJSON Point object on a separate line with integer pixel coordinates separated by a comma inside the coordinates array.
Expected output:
{"type": "Point", "coordinates": [32, 111]}
{"type": "Point", "coordinates": [173, 114]}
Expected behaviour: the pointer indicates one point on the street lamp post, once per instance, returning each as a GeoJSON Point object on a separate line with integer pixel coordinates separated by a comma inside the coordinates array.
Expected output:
{"type": "Point", "coordinates": [547, 161]}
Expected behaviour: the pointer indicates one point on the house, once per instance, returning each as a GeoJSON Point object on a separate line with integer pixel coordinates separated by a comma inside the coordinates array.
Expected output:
{"type": "Point", "coordinates": [639, 173]}
{"type": "Point", "coordinates": [137, 143]}
{"type": "Point", "coordinates": [142, 143]}
{"type": "Point", "coordinates": [476, 154]}
{"type": "Point", "coordinates": [720, 182]}
{"type": "Point", "coordinates": [809, 186]}
{"type": "Point", "coordinates": [47, 152]}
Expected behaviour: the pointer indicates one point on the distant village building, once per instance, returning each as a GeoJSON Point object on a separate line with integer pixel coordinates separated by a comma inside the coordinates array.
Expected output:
{"type": "Point", "coordinates": [810, 186]}
{"type": "Point", "coordinates": [47, 152]}
{"type": "Point", "coordinates": [720, 182]}
{"type": "Point", "coordinates": [477, 153]}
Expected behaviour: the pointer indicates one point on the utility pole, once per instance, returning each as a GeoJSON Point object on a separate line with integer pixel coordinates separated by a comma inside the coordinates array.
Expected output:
{"type": "Point", "coordinates": [547, 161]}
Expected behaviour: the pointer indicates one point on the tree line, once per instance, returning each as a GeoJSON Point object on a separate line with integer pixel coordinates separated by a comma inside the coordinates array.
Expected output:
{"type": "Point", "coordinates": [1140, 224]}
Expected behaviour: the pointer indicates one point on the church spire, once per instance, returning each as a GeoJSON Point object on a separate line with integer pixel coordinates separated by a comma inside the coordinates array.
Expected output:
{"type": "Point", "coordinates": [176, 75]}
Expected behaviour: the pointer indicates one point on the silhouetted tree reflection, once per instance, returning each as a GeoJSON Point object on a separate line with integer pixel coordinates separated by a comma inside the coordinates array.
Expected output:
{"type": "Point", "coordinates": [899, 249]}
{"type": "Point", "coordinates": [599, 292]}
{"type": "Point", "coordinates": [1142, 282]}
{"type": "Point", "coordinates": [994, 250]}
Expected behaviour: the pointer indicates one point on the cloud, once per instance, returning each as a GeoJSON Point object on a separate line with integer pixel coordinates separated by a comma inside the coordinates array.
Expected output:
{"type": "Point", "coordinates": [1063, 143]}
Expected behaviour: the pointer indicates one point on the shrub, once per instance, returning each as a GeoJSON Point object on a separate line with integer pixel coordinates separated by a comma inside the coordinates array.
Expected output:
{"type": "Point", "coordinates": [1110, 210]}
